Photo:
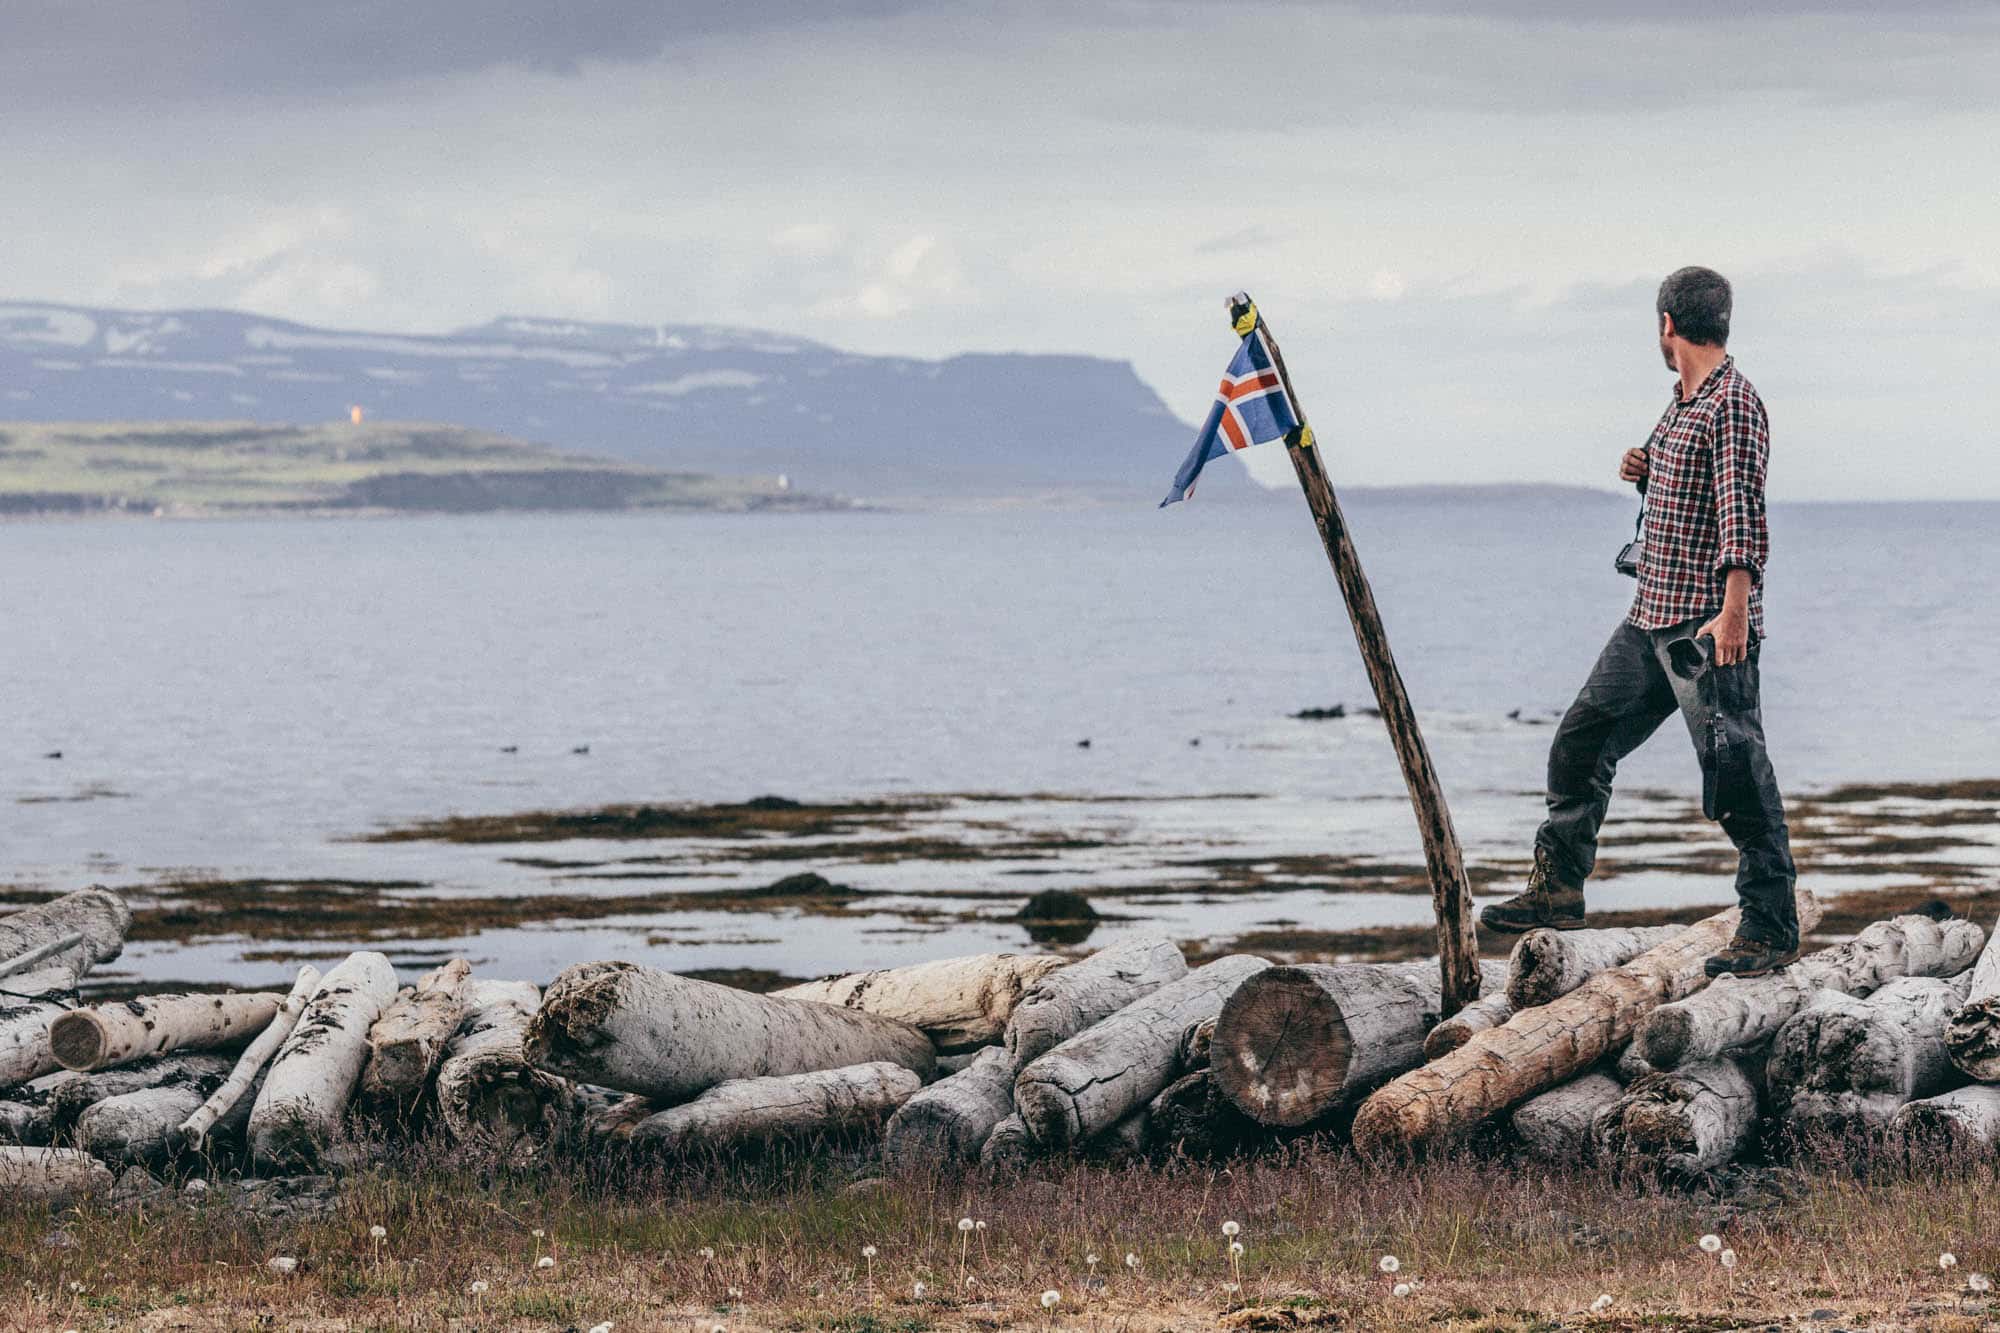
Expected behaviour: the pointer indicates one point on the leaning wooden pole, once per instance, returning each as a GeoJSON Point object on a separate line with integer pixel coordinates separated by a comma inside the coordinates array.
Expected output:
{"type": "Point", "coordinates": [1451, 893]}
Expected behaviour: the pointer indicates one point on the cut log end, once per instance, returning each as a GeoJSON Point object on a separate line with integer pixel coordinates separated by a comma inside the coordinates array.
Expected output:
{"type": "Point", "coordinates": [1972, 1037]}
{"type": "Point", "coordinates": [1287, 1051]}
{"type": "Point", "coordinates": [1666, 1036]}
{"type": "Point", "coordinates": [76, 1042]}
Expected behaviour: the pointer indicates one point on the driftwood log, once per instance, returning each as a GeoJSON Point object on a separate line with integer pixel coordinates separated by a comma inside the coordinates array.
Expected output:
{"type": "Point", "coordinates": [620, 1118]}
{"type": "Point", "coordinates": [70, 1094]}
{"type": "Point", "coordinates": [51, 1175]}
{"type": "Point", "coordinates": [115, 1034]}
{"type": "Point", "coordinates": [1103, 1074]}
{"type": "Point", "coordinates": [671, 1037]}
{"type": "Point", "coordinates": [1735, 1012]}
{"type": "Point", "coordinates": [786, 1106]}
{"type": "Point", "coordinates": [486, 1089]}
{"type": "Point", "coordinates": [1070, 999]}
{"type": "Point", "coordinates": [1538, 1048]}
{"type": "Point", "coordinates": [960, 1003]}
{"type": "Point", "coordinates": [235, 1090]}
{"type": "Point", "coordinates": [1972, 1035]}
{"type": "Point", "coordinates": [1687, 1120]}
{"type": "Point", "coordinates": [1549, 964]}
{"type": "Point", "coordinates": [1488, 1011]}
{"type": "Point", "coordinates": [88, 926]}
{"type": "Point", "coordinates": [1556, 1126]}
{"type": "Point", "coordinates": [1009, 1149]}
{"type": "Point", "coordinates": [140, 1127]}
{"type": "Point", "coordinates": [1960, 1125]}
{"type": "Point", "coordinates": [1124, 1142]}
{"type": "Point", "coordinates": [1193, 1117]}
{"type": "Point", "coordinates": [1197, 1046]}
{"type": "Point", "coordinates": [1843, 1064]}
{"type": "Point", "coordinates": [1294, 1044]}
{"type": "Point", "coordinates": [312, 1077]}
{"type": "Point", "coordinates": [948, 1122]}
{"type": "Point", "coordinates": [407, 1042]}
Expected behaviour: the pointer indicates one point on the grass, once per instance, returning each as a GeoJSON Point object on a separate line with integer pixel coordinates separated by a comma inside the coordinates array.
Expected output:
{"type": "Point", "coordinates": [776, 1244]}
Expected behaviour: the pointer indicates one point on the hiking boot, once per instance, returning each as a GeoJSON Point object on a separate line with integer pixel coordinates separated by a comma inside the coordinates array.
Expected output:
{"type": "Point", "coordinates": [1749, 958]}
{"type": "Point", "coordinates": [1545, 903]}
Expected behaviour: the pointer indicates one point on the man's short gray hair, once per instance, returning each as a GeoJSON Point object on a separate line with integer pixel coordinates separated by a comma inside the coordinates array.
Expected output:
{"type": "Point", "coordinates": [1699, 300]}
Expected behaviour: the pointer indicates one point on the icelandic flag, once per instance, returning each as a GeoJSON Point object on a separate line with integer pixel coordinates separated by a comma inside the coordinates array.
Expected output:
{"type": "Point", "coordinates": [1251, 407]}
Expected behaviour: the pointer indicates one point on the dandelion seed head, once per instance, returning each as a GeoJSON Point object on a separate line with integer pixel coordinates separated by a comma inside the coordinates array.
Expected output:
{"type": "Point", "coordinates": [1947, 1260]}
{"type": "Point", "coordinates": [538, 1233]}
{"type": "Point", "coordinates": [546, 1261]}
{"type": "Point", "coordinates": [1710, 1244]}
{"type": "Point", "coordinates": [735, 1293]}
{"type": "Point", "coordinates": [867, 1251]}
{"type": "Point", "coordinates": [378, 1233]}
{"type": "Point", "coordinates": [281, 1263]}
{"type": "Point", "coordinates": [917, 1290]}
{"type": "Point", "coordinates": [478, 1287]}
{"type": "Point", "coordinates": [1728, 1258]}
{"type": "Point", "coordinates": [604, 1327]}
{"type": "Point", "coordinates": [971, 1281]}
{"type": "Point", "coordinates": [75, 1286]}
{"type": "Point", "coordinates": [965, 1224]}
{"type": "Point", "coordinates": [1978, 1282]}
{"type": "Point", "coordinates": [705, 1253]}
{"type": "Point", "coordinates": [1389, 1263]}
{"type": "Point", "coordinates": [1236, 1247]}
{"type": "Point", "coordinates": [1090, 1259]}
{"type": "Point", "coordinates": [980, 1224]}
{"type": "Point", "coordinates": [1230, 1228]}
{"type": "Point", "coordinates": [717, 1328]}
{"type": "Point", "coordinates": [1601, 1304]}
{"type": "Point", "coordinates": [1402, 1289]}
{"type": "Point", "coordinates": [1050, 1299]}
{"type": "Point", "coordinates": [1131, 1261]}
{"type": "Point", "coordinates": [1232, 1287]}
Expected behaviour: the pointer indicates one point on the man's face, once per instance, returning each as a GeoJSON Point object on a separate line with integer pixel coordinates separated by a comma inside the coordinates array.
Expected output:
{"type": "Point", "coordinates": [1667, 342]}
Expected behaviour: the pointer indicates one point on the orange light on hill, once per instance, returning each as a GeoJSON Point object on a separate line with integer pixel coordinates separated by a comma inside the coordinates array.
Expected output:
{"type": "Point", "coordinates": [354, 414]}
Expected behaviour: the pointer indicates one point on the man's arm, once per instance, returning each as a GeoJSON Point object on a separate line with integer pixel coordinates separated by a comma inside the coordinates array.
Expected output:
{"type": "Point", "coordinates": [1742, 450]}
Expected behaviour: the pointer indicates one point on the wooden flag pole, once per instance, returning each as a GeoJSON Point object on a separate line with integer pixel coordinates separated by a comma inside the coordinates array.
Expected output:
{"type": "Point", "coordinates": [1451, 894]}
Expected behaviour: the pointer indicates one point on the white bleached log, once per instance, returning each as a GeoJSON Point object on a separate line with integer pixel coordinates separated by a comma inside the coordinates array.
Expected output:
{"type": "Point", "coordinates": [140, 1126]}
{"type": "Point", "coordinates": [1104, 1073]}
{"type": "Point", "coordinates": [670, 1037]}
{"type": "Point", "coordinates": [1547, 964]}
{"type": "Point", "coordinates": [960, 1003]}
{"type": "Point", "coordinates": [24, 1039]}
{"type": "Point", "coordinates": [486, 1088]}
{"type": "Point", "coordinates": [51, 1175]}
{"type": "Point", "coordinates": [1972, 1036]}
{"type": "Point", "coordinates": [23, 1123]}
{"type": "Point", "coordinates": [949, 1121]}
{"type": "Point", "coordinates": [312, 1077]}
{"type": "Point", "coordinates": [97, 915]}
{"type": "Point", "coordinates": [1294, 1044]}
{"type": "Point", "coordinates": [41, 953]}
{"type": "Point", "coordinates": [1735, 1011]}
{"type": "Point", "coordinates": [115, 1034]}
{"type": "Point", "coordinates": [1008, 1149]}
{"type": "Point", "coordinates": [408, 1041]}
{"type": "Point", "coordinates": [249, 1065]}
{"type": "Point", "coordinates": [1690, 1119]}
{"type": "Point", "coordinates": [785, 1106]}
{"type": "Point", "coordinates": [1843, 1063]}
{"type": "Point", "coordinates": [1488, 1011]}
{"type": "Point", "coordinates": [71, 1093]}
{"type": "Point", "coordinates": [1960, 1125]}
{"type": "Point", "coordinates": [1555, 1126]}
{"type": "Point", "coordinates": [1070, 999]}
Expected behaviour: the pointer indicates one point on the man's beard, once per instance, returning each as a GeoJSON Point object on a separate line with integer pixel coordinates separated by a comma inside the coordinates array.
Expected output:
{"type": "Point", "coordinates": [1667, 355]}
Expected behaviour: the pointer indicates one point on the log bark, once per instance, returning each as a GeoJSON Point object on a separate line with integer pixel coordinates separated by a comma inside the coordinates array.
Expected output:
{"type": "Point", "coordinates": [24, 1038]}
{"type": "Point", "coordinates": [948, 1122]}
{"type": "Point", "coordinates": [1844, 1064]}
{"type": "Point", "coordinates": [1103, 1074]}
{"type": "Point", "coordinates": [116, 1034]}
{"type": "Point", "coordinates": [1689, 1120]}
{"type": "Point", "coordinates": [97, 914]}
{"type": "Point", "coordinates": [1555, 1126]}
{"type": "Point", "coordinates": [1124, 1142]}
{"type": "Point", "coordinates": [1294, 1044]}
{"type": "Point", "coordinates": [1070, 999]}
{"type": "Point", "coordinates": [408, 1041]}
{"type": "Point", "coordinates": [1197, 1046]}
{"type": "Point", "coordinates": [51, 1175]}
{"type": "Point", "coordinates": [250, 1065]}
{"type": "Point", "coordinates": [1009, 1149]}
{"type": "Point", "coordinates": [24, 1124]}
{"type": "Point", "coordinates": [1488, 1011]}
{"type": "Point", "coordinates": [1972, 1036]}
{"type": "Point", "coordinates": [1193, 1117]}
{"type": "Point", "coordinates": [71, 1094]}
{"type": "Point", "coordinates": [785, 1106]}
{"type": "Point", "coordinates": [1960, 1125]}
{"type": "Point", "coordinates": [1733, 1012]}
{"type": "Point", "coordinates": [1549, 964]}
{"type": "Point", "coordinates": [486, 1088]}
{"type": "Point", "coordinates": [312, 1077]}
{"type": "Point", "coordinates": [140, 1127]}
{"type": "Point", "coordinates": [960, 1003]}
{"type": "Point", "coordinates": [1538, 1048]}
{"type": "Point", "coordinates": [670, 1037]}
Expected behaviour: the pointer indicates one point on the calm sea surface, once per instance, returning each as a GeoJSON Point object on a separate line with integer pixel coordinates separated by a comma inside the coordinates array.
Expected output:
{"type": "Point", "coordinates": [243, 698]}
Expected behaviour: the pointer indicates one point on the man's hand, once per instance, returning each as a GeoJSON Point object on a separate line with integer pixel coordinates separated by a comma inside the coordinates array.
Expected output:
{"type": "Point", "coordinates": [1633, 467]}
{"type": "Point", "coordinates": [1731, 627]}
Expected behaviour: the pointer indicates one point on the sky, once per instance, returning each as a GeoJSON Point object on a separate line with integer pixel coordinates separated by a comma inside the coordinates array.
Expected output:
{"type": "Point", "coordinates": [1454, 216]}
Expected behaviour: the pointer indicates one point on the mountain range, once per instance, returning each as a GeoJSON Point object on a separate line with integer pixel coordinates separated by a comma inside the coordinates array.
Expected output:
{"type": "Point", "coordinates": [690, 398]}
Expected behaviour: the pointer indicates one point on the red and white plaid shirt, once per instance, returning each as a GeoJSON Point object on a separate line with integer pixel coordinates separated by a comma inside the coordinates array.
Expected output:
{"type": "Point", "coordinates": [1705, 502]}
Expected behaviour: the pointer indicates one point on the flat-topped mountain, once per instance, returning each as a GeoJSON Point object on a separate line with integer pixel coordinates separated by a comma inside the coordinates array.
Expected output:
{"type": "Point", "coordinates": [689, 398]}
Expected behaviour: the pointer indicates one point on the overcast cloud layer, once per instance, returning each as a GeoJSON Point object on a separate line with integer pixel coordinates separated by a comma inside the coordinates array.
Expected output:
{"type": "Point", "coordinates": [1454, 216]}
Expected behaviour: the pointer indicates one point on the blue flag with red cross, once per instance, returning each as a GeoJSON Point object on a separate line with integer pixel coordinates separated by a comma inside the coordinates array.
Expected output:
{"type": "Point", "coordinates": [1251, 407]}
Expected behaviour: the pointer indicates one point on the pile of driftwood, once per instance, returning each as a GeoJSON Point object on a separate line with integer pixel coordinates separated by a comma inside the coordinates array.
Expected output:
{"type": "Point", "coordinates": [1585, 1042]}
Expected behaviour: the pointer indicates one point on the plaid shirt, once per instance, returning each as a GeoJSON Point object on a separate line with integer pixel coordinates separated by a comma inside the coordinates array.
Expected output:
{"type": "Point", "coordinates": [1705, 502]}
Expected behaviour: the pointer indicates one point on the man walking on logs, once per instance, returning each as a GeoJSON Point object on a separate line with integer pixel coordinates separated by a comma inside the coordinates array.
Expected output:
{"type": "Point", "coordinates": [1690, 644]}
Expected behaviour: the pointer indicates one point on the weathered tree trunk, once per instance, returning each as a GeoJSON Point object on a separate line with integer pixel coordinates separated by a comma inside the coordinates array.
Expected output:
{"type": "Point", "coordinates": [71, 1094]}
{"type": "Point", "coordinates": [100, 916]}
{"type": "Point", "coordinates": [1555, 1126]}
{"type": "Point", "coordinates": [50, 1175]}
{"type": "Point", "coordinates": [486, 1088]}
{"type": "Point", "coordinates": [1294, 1044]}
{"type": "Point", "coordinates": [785, 1106]}
{"type": "Point", "coordinates": [960, 1003]}
{"type": "Point", "coordinates": [948, 1122]}
{"type": "Point", "coordinates": [234, 1089]}
{"type": "Point", "coordinates": [1197, 1046]}
{"type": "Point", "coordinates": [408, 1041]}
{"type": "Point", "coordinates": [1009, 1149]}
{"type": "Point", "coordinates": [140, 1126]}
{"type": "Point", "coordinates": [1488, 1011]}
{"type": "Point", "coordinates": [23, 1123]}
{"type": "Point", "coordinates": [312, 1077]}
{"type": "Point", "coordinates": [1843, 1064]}
{"type": "Point", "coordinates": [1689, 1120]}
{"type": "Point", "coordinates": [1070, 999]}
{"type": "Point", "coordinates": [1103, 1074]}
{"type": "Point", "coordinates": [671, 1037]}
{"type": "Point", "coordinates": [1540, 1047]}
{"type": "Point", "coordinates": [1733, 1012]}
{"type": "Point", "coordinates": [1192, 1116]}
{"type": "Point", "coordinates": [947, 1065]}
{"type": "Point", "coordinates": [24, 1039]}
{"type": "Point", "coordinates": [1972, 1036]}
{"type": "Point", "coordinates": [1960, 1125]}
{"type": "Point", "coordinates": [1124, 1142]}
{"type": "Point", "coordinates": [116, 1034]}
{"type": "Point", "coordinates": [1548, 964]}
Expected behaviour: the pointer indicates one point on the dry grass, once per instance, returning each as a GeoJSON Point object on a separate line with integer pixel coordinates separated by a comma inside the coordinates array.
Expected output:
{"type": "Point", "coordinates": [778, 1245]}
